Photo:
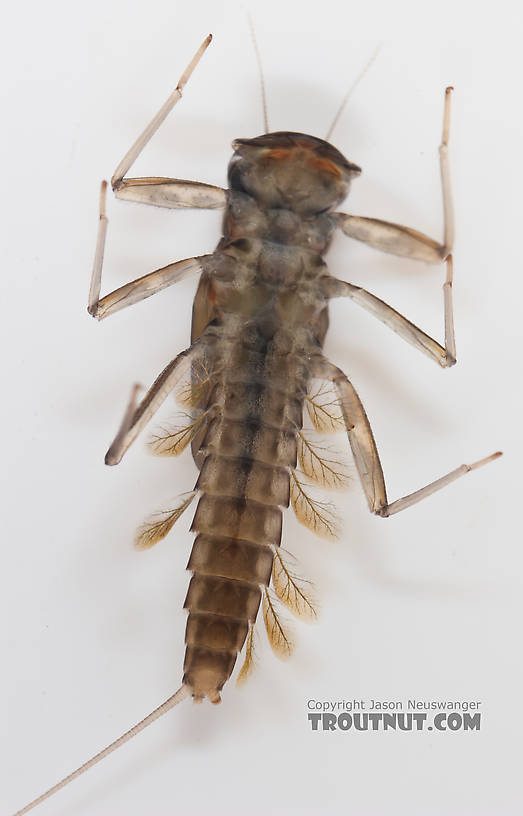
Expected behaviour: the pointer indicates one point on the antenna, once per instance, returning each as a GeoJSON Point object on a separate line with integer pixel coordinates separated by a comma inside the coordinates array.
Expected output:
{"type": "Point", "coordinates": [180, 695]}
{"type": "Point", "coordinates": [351, 89]}
{"type": "Point", "coordinates": [260, 69]}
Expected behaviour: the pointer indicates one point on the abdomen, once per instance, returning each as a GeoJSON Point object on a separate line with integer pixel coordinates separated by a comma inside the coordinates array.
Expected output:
{"type": "Point", "coordinates": [249, 446]}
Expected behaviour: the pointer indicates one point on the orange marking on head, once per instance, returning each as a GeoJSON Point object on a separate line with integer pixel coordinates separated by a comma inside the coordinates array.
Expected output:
{"type": "Point", "coordinates": [304, 152]}
{"type": "Point", "coordinates": [325, 165]}
{"type": "Point", "coordinates": [279, 153]}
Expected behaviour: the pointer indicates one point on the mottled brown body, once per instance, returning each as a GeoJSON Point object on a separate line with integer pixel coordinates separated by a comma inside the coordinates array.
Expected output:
{"type": "Point", "coordinates": [259, 321]}
{"type": "Point", "coordinates": [261, 312]}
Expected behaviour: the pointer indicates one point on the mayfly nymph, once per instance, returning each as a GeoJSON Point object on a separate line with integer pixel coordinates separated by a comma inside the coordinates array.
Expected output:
{"type": "Point", "coordinates": [254, 367]}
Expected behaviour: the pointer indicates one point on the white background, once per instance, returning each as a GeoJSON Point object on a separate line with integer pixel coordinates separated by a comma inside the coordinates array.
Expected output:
{"type": "Point", "coordinates": [425, 605]}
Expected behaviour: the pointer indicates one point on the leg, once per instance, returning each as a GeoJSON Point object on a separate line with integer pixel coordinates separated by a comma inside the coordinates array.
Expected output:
{"type": "Point", "coordinates": [138, 289]}
{"type": "Point", "coordinates": [171, 193]}
{"type": "Point", "coordinates": [136, 416]}
{"type": "Point", "coordinates": [161, 192]}
{"type": "Point", "coordinates": [409, 243]}
{"type": "Point", "coordinates": [165, 192]}
{"type": "Point", "coordinates": [135, 150]}
{"type": "Point", "coordinates": [444, 356]}
{"type": "Point", "coordinates": [403, 241]}
{"type": "Point", "coordinates": [366, 453]}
